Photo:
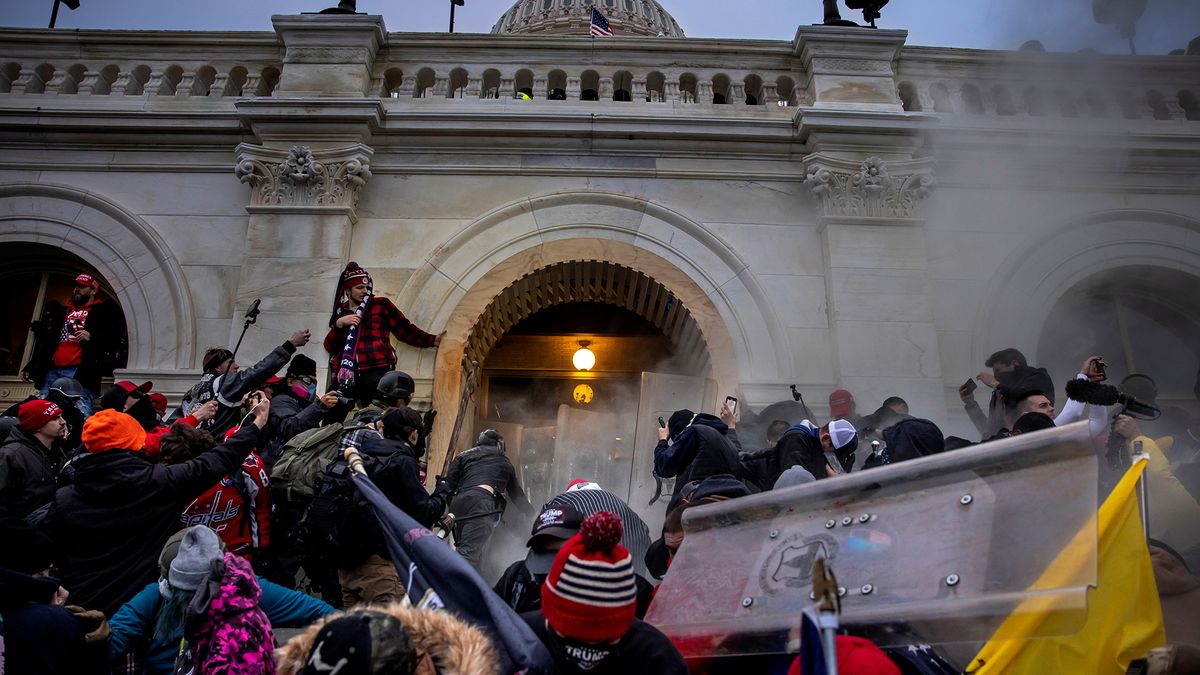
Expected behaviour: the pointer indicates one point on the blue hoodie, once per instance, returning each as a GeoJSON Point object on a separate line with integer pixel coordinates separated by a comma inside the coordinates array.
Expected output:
{"type": "Point", "coordinates": [133, 624]}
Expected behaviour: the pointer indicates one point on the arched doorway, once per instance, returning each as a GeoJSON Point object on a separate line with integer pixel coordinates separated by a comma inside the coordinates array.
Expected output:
{"type": "Point", "coordinates": [1142, 319]}
{"type": "Point", "coordinates": [565, 421]}
{"type": "Point", "coordinates": [38, 279]}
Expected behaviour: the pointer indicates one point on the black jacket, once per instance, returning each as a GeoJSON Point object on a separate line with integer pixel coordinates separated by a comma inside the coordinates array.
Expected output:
{"type": "Point", "coordinates": [27, 474]}
{"type": "Point", "coordinates": [699, 451]}
{"type": "Point", "coordinates": [392, 464]}
{"type": "Point", "coordinates": [40, 637]}
{"type": "Point", "coordinates": [797, 446]}
{"type": "Point", "coordinates": [643, 649]}
{"type": "Point", "coordinates": [487, 465]}
{"type": "Point", "coordinates": [288, 416]}
{"type": "Point", "coordinates": [110, 525]}
{"type": "Point", "coordinates": [100, 354]}
{"type": "Point", "coordinates": [229, 389]}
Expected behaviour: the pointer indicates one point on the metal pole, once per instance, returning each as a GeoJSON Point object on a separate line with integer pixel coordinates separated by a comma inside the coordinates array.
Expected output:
{"type": "Point", "coordinates": [1143, 489]}
{"type": "Point", "coordinates": [451, 16]}
{"type": "Point", "coordinates": [54, 13]}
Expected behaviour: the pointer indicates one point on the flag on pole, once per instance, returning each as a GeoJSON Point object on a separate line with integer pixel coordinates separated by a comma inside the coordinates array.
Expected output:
{"type": "Point", "coordinates": [1124, 618]}
{"type": "Point", "coordinates": [600, 27]}
{"type": "Point", "coordinates": [436, 576]}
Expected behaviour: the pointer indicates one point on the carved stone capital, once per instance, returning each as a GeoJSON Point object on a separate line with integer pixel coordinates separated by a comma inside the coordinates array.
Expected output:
{"type": "Point", "coordinates": [302, 178]}
{"type": "Point", "coordinates": [872, 189]}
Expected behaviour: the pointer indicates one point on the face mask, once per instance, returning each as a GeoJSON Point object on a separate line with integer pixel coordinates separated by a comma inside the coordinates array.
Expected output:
{"type": "Point", "coordinates": [301, 391]}
{"type": "Point", "coordinates": [143, 411]}
{"type": "Point", "coordinates": [312, 390]}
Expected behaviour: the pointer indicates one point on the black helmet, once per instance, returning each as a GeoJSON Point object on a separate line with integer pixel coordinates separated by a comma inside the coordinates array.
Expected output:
{"type": "Point", "coordinates": [68, 387]}
{"type": "Point", "coordinates": [394, 386]}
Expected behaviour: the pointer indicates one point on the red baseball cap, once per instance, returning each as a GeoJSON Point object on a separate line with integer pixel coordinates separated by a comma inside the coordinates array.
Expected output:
{"type": "Point", "coordinates": [33, 415]}
{"type": "Point", "coordinates": [87, 280]}
{"type": "Point", "coordinates": [841, 402]}
{"type": "Point", "coordinates": [130, 387]}
{"type": "Point", "coordinates": [158, 401]}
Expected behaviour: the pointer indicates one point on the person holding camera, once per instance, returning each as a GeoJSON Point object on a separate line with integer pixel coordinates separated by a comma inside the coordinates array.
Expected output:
{"type": "Point", "coordinates": [227, 384]}
{"type": "Point", "coordinates": [360, 326]}
{"type": "Point", "coordinates": [1011, 371]}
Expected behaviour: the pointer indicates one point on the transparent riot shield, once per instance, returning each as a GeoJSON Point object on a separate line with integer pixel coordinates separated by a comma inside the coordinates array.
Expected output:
{"type": "Point", "coordinates": [936, 550]}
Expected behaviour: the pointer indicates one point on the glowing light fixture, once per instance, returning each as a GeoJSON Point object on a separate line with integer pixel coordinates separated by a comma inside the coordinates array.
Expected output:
{"type": "Point", "coordinates": [584, 358]}
{"type": "Point", "coordinates": [583, 394]}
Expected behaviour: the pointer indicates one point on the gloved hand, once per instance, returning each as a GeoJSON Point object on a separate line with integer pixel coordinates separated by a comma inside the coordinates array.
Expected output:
{"type": "Point", "coordinates": [446, 522]}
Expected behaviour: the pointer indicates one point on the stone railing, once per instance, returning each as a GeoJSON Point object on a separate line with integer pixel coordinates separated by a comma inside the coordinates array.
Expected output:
{"type": "Point", "coordinates": [754, 76]}
{"type": "Point", "coordinates": [138, 63]}
{"type": "Point", "coordinates": [1032, 85]}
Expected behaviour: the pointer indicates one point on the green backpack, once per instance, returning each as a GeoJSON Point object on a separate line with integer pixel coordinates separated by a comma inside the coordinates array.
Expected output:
{"type": "Point", "coordinates": [303, 459]}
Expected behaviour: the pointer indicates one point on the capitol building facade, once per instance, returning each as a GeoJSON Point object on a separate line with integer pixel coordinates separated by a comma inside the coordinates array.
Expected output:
{"type": "Point", "coordinates": [711, 216]}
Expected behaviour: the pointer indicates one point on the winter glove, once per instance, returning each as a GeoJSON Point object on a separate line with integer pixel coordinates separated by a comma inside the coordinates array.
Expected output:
{"type": "Point", "coordinates": [92, 621]}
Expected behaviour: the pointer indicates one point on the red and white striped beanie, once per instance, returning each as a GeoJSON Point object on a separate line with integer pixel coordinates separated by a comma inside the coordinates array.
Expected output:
{"type": "Point", "coordinates": [590, 593]}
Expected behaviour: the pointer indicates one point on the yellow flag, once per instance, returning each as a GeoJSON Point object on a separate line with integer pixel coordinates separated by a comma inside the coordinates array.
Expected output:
{"type": "Point", "coordinates": [1124, 619]}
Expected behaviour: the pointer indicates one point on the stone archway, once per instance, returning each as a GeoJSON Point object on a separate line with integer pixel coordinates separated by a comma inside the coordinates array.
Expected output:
{"type": "Point", "coordinates": [452, 289]}
{"type": "Point", "coordinates": [144, 274]}
{"type": "Point", "coordinates": [1033, 279]}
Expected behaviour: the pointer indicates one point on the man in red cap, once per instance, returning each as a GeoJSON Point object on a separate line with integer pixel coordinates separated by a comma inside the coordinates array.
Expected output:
{"type": "Point", "coordinates": [359, 342]}
{"type": "Point", "coordinates": [82, 341]}
{"type": "Point", "coordinates": [31, 458]}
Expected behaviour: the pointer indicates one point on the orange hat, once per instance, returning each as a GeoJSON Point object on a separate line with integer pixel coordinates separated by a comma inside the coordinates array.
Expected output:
{"type": "Point", "coordinates": [112, 430]}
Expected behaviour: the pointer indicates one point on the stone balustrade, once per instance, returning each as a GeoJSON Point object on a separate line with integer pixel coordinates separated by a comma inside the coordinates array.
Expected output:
{"type": "Point", "coordinates": [419, 67]}
{"type": "Point", "coordinates": [1033, 85]}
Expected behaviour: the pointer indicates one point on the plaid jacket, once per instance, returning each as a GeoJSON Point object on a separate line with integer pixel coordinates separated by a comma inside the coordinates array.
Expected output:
{"type": "Point", "coordinates": [374, 345]}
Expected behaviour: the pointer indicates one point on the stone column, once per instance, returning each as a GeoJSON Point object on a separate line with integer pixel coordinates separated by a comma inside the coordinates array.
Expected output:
{"type": "Point", "coordinates": [849, 68]}
{"type": "Point", "coordinates": [302, 209]}
{"type": "Point", "coordinates": [879, 299]}
{"type": "Point", "coordinates": [305, 177]}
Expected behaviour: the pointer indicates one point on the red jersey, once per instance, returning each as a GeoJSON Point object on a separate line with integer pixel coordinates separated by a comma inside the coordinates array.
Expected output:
{"type": "Point", "coordinates": [241, 516]}
{"type": "Point", "coordinates": [70, 350]}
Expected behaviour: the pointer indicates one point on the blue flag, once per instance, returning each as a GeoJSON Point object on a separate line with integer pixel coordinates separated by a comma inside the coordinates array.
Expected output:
{"type": "Point", "coordinates": [435, 576]}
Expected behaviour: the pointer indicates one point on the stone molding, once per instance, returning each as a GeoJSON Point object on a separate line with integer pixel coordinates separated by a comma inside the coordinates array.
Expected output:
{"type": "Point", "coordinates": [872, 189]}
{"type": "Point", "coordinates": [301, 178]}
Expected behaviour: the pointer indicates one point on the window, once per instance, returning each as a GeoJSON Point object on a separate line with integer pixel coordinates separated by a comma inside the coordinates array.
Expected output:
{"type": "Point", "coordinates": [610, 3]}
{"type": "Point", "coordinates": [529, 8]}
{"type": "Point", "coordinates": [37, 279]}
{"type": "Point", "coordinates": [629, 6]}
{"type": "Point", "coordinates": [646, 12]}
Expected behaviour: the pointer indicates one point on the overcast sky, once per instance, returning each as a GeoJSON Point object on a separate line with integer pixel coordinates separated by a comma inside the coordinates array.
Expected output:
{"type": "Point", "coordinates": [1062, 25]}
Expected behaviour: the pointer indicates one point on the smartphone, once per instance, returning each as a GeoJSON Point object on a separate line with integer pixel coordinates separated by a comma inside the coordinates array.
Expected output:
{"type": "Point", "coordinates": [969, 386]}
{"type": "Point", "coordinates": [662, 424]}
{"type": "Point", "coordinates": [731, 401]}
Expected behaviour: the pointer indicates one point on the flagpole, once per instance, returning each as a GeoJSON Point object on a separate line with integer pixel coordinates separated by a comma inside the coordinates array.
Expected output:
{"type": "Point", "coordinates": [54, 13]}
{"type": "Point", "coordinates": [451, 16]}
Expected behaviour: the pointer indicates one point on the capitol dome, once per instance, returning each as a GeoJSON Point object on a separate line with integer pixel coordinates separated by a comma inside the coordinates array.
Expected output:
{"type": "Point", "coordinates": [573, 17]}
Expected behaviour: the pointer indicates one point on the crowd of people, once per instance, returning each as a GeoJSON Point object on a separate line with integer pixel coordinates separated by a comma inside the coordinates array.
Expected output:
{"type": "Point", "coordinates": [142, 539]}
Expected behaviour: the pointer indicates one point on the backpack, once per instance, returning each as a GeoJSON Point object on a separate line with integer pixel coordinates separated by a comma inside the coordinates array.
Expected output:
{"type": "Point", "coordinates": [332, 527]}
{"type": "Point", "coordinates": [294, 476]}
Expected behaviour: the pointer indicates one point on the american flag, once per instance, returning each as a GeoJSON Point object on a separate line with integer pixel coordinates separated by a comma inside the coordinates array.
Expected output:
{"type": "Point", "coordinates": [600, 27]}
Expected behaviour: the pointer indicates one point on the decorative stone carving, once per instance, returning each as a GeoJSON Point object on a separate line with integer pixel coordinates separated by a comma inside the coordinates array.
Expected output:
{"type": "Point", "coordinates": [873, 189]}
{"type": "Point", "coordinates": [298, 177]}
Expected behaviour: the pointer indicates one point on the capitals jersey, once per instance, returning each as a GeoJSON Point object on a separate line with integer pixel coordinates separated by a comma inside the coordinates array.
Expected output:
{"type": "Point", "coordinates": [239, 512]}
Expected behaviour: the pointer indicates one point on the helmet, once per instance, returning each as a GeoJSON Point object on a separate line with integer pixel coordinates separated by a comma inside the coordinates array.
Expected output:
{"type": "Point", "coordinates": [490, 437]}
{"type": "Point", "coordinates": [68, 387]}
{"type": "Point", "coordinates": [394, 386]}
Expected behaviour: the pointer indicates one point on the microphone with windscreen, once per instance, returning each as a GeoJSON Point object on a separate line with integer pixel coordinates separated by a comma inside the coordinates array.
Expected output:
{"type": "Point", "coordinates": [1096, 393]}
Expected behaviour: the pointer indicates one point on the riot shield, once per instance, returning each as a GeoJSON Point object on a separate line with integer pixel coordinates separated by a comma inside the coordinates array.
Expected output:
{"type": "Point", "coordinates": [935, 550]}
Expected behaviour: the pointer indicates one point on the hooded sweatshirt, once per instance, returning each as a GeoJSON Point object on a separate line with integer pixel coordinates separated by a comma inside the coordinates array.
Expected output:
{"type": "Point", "coordinates": [699, 451]}
{"type": "Point", "coordinates": [109, 526]}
